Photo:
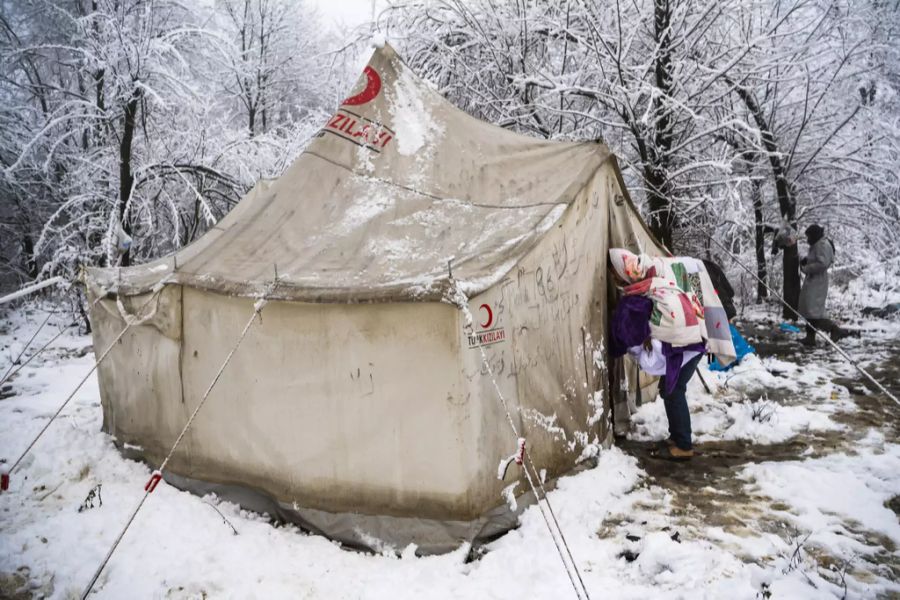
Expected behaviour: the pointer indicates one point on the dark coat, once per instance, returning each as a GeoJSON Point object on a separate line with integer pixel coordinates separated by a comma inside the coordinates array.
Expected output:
{"type": "Point", "coordinates": [815, 285]}
{"type": "Point", "coordinates": [723, 286]}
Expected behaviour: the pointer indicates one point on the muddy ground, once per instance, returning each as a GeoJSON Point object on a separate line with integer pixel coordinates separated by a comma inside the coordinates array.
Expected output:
{"type": "Point", "coordinates": [707, 492]}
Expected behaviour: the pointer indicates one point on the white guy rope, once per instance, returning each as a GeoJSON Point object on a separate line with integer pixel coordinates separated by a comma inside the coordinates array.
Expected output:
{"type": "Point", "coordinates": [30, 289]}
{"type": "Point", "coordinates": [257, 309]}
{"type": "Point", "coordinates": [461, 300]}
{"type": "Point", "coordinates": [157, 474]}
{"type": "Point", "coordinates": [134, 513]}
{"type": "Point", "coordinates": [128, 325]}
{"type": "Point", "coordinates": [9, 372]}
{"type": "Point", "coordinates": [840, 350]}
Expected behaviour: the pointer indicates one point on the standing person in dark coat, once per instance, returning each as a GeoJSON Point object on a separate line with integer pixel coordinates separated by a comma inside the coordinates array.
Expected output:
{"type": "Point", "coordinates": [814, 292]}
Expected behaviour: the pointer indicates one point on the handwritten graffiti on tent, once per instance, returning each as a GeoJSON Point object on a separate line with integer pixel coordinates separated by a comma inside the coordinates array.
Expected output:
{"type": "Point", "coordinates": [359, 405]}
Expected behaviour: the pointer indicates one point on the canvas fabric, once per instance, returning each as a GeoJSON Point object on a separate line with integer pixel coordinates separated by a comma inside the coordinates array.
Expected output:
{"type": "Point", "coordinates": [718, 334]}
{"type": "Point", "coordinates": [686, 305]}
{"type": "Point", "coordinates": [677, 315]}
{"type": "Point", "coordinates": [362, 393]}
{"type": "Point", "coordinates": [398, 189]}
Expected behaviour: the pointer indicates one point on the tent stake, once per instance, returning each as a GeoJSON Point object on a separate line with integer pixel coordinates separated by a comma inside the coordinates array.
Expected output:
{"type": "Point", "coordinates": [703, 381]}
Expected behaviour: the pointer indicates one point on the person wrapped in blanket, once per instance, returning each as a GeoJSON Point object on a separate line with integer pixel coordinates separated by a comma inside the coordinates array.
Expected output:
{"type": "Point", "coordinates": [668, 317]}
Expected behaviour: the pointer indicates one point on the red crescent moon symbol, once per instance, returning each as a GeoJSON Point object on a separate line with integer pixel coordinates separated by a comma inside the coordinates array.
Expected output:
{"type": "Point", "coordinates": [490, 316]}
{"type": "Point", "coordinates": [373, 86]}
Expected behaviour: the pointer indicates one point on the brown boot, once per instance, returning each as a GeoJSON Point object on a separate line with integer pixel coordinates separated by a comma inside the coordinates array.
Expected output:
{"type": "Point", "coordinates": [679, 454]}
{"type": "Point", "coordinates": [673, 453]}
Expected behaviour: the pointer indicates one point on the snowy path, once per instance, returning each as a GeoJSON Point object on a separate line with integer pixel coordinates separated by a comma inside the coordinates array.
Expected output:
{"type": "Point", "coordinates": [791, 499]}
{"type": "Point", "coordinates": [795, 449]}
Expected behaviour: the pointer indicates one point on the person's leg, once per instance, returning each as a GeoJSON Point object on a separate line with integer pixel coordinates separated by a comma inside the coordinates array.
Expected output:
{"type": "Point", "coordinates": [679, 418]}
{"type": "Point", "coordinates": [667, 404]}
{"type": "Point", "coordinates": [661, 390]}
{"type": "Point", "coordinates": [810, 339]}
{"type": "Point", "coordinates": [677, 409]}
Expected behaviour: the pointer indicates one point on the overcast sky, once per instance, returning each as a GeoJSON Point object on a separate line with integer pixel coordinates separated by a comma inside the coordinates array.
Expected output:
{"type": "Point", "coordinates": [345, 12]}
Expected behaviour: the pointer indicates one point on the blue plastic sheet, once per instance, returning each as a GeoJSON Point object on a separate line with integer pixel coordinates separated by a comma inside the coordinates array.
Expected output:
{"type": "Point", "coordinates": [741, 347]}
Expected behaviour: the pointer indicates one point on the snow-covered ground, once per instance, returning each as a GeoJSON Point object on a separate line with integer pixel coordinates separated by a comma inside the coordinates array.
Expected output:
{"type": "Point", "coordinates": [791, 499]}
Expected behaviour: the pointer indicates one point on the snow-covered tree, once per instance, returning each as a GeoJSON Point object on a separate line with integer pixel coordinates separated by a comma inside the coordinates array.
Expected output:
{"type": "Point", "coordinates": [732, 118]}
{"type": "Point", "coordinates": [119, 115]}
{"type": "Point", "coordinates": [271, 57]}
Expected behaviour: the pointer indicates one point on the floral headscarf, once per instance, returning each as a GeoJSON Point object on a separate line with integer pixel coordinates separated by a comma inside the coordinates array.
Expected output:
{"type": "Point", "coordinates": [629, 266]}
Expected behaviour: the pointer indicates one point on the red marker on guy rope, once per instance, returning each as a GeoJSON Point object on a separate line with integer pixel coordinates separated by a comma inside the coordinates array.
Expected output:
{"type": "Point", "coordinates": [520, 455]}
{"type": "Point", "coordinates": [154, 480]}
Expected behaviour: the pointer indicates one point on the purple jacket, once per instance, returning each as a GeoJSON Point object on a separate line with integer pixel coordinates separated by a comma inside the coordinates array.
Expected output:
{"type": "Point", "coordinates": [630, 326]}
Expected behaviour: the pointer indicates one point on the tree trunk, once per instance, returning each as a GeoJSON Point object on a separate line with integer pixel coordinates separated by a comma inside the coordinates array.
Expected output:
{"type": "Point", "coordinates": [659, 195]}
{"type": "Point", "coordinates": [786, 204]}
{"type": "Point", "coordinates": [29, 260]}
{"type": "Point", "coordinates": [126, 177]}
{"type": "Point", "coordinates": [99, 79]}
{"type": "Point", "coordinates": [661, 221]}
{"type": "Point", "coordinates": [762, 292]}
{"type": "Point", "coordinates": [790, 257]}
{"type": "Point", "coordinates": [791, 288]}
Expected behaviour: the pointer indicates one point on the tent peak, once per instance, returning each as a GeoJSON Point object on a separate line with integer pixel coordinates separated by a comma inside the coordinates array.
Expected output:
{"type": "Point", "coordinates": [397, 181]}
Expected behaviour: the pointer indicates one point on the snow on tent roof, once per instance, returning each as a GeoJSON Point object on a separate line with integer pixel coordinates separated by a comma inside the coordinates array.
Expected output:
{"type": "Point", "coordinates": [396, 184]}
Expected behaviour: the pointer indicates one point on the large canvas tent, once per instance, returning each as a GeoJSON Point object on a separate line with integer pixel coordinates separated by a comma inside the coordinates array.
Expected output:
{"type": "Point", "coordinates": [364, 404]}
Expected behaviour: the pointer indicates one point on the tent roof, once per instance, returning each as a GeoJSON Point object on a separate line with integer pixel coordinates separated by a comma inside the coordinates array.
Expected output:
{"type": "Point", "coordinates": [396, 184]}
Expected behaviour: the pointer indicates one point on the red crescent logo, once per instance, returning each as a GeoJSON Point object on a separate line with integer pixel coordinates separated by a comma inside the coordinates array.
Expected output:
{"type": "Point", "coordinates": [373, 86]}
{"type": "Point", "coordinates": [490, 316]}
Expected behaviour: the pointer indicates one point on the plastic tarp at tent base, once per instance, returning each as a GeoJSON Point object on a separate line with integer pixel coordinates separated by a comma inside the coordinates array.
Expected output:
{"type": "Point", "coordinates": [364, 403]}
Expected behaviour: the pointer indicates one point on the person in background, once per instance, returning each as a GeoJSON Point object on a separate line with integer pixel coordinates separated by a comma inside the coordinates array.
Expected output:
{"type": "Point", "coordinates": [814, 292]}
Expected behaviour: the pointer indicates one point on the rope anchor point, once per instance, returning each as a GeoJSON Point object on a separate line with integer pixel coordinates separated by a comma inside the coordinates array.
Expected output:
{"type": "Point", "coordinates": [151, 484]}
